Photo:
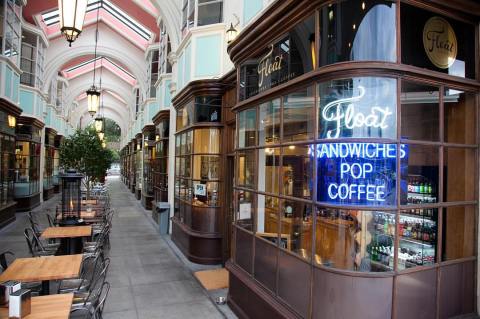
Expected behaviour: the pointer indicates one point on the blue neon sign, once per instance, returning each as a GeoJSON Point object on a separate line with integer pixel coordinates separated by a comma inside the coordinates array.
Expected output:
{"type": "Point", "coordinates": [357, 173]}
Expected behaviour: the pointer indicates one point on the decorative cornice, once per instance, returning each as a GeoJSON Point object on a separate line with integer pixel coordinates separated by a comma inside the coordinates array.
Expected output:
{"type": "Point", "coordinates": [9, 107]}
{"type": "Point", "coordinates": [26, 120]}
{"type": "Point", "coordinates": [161, 115]}
{"type": "Point", "coordinates": [204, 87]}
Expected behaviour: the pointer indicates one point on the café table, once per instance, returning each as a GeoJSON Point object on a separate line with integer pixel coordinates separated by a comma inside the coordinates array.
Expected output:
{"type": "Point", "coordinates": [47, 307]}
{"type": "Point", "coordinates": [43, 269]}
{"type": "Point", "coordinates": [71, 237]}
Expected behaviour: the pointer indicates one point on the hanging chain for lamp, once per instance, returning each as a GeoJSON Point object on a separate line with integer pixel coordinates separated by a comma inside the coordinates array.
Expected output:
{"type": "Point", "coordinates": [93, 95]}
{"type": "Point", "coordinates": [100, 120]}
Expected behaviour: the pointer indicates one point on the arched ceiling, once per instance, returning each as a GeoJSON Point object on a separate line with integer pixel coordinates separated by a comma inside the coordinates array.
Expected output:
{"type": "Point", "coordinates": [126, 29]}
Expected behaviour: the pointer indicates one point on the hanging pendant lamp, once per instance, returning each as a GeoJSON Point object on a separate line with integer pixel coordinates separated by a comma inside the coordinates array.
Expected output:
{"type": "Point", "coordinates": [93, 95]}
{"type": "Point", "coordinates": [72, 16]}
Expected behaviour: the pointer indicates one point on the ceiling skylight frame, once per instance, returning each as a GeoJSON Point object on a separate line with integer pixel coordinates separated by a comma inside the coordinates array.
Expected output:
{"type": "Point", "coordinates": [52, 17]}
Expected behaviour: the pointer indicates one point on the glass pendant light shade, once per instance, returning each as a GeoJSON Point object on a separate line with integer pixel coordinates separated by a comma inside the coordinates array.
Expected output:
{"type": "Point", "coordinates": [101, 136]}
{"type": "Point", "coordinates": [93, 97]}
{"type": "Point", "coordinates": [12, 121]}
{"type": "Point", "coordinates": [72, 16]}
{"type": "Point", "coordinates": [231, 33]}
{"type": "Point", "coordinates": [99, 124]}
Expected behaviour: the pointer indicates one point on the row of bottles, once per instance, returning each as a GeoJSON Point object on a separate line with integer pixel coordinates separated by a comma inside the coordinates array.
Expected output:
{"type": "Point", "coordinates": [407, 257]}
{"type": "Point", "coordinates": [414, 228]}
{"type": "Point", "coordinates": [425, 213]}
{"type": "Point", "coordinates": [381, 254]}
{"type": "Point", "coordinates": [420, 186]}
{"type": "Point", "coordinates": [409, 227]}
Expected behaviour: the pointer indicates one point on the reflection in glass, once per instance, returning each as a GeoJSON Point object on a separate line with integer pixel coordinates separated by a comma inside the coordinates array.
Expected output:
{"type": "Point", "coordinates": [420, 112]}
{"type": "Point", "coordinates": [459, 176]}
{"type": "Point", "coordinates": [268, 170]}
{"type": "Point", "coordinates": [459, 232]}
{"type": "Point", "coordinates": [349, 29]}
{"type": "Point", "coordinates": [460, 117]}
{"type": "Point", "coordinates": [355, 240]}
{"type": "Point", "coordinates": [207, 141]}
{"type": "Point", "coordinates": [269, 123]}
{"type": "Point", "coordinates": [298, 115]}
{"type": "Point", "coordinates": [420, 175]}
{"type": "Point", "coordinates": [206, 167]}
{"type": "Point", "coordinates": [208, 108]}
{"type": "Point", "coordinates": [417, 230]}
{"type": "Point", "coordinates": [247, 128]}
{"type": "Point", "coordinates": [297, 171]}
{"type": "Point", "coordinates": [267, 217]}
{"type": "Point", "coordinates": [296, 227]}
{"type": "Point", "coordinates": [246, 168]}
{"type": "Point", "coordinates": [358, 107]}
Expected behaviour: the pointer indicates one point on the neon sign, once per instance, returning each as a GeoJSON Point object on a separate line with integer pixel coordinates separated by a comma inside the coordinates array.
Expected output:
{"type": "Point", "coordinates": [357, 173]}
{"type": "Point", "coordinates": [336, 112]}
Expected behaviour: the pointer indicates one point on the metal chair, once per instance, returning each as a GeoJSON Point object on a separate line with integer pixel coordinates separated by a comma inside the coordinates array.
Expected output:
{"type": "Point", "coordinates": [35, 246]}
{"type": "Point", "coordinates": [94, 311]}
{"type": "Point", "coordinates": [94, 267]}
{"type": "Point", "coordinates": [3, 259]}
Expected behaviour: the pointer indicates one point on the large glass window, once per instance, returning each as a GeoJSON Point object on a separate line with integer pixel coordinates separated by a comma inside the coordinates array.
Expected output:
{"type": "Point", "coordinates": [10, 37]}
{"type": "Point", "coordinates": [349, 28]}
{"type": "Point", "coordinates": [298, 115]}
{"type": "Point", "coordinates": [27, 168]}
{"type": "Point", "coordinates": [199, 166]}
{"type": "Point", "coordinates": [210, 12]}
{"type": "Point", "coordinates": [160, 165]}
{"type": "Point", "coordinates": [381, 193]}
{"type": "Point", "coordinates": [281, 61]}
{"type": "Point", "coordinates": [7, 162]}
{"type": "Point", "coordinates": [420, 111]}
{"type": "Point", "coordinates": [437, 42]}
{"type": "Point", "coordinates": [269, 123]}
{"type": "Point", "coordinates": [247, 129]}
{"type": "Point", "coordinates": [208, 109]}
{"type": "Point", "coordinates": [358, 107]}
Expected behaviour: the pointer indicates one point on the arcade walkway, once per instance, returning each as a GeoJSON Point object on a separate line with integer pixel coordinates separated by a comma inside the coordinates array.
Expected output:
{"type": "Point", "coordinates": [148, 279]}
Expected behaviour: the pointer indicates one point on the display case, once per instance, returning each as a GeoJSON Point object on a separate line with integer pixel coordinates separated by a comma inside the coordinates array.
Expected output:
{"type": "Point", "coordinates": [56, 163]}
{"type": "Point", "coordinates": [148, 163]}
{"type": "Point", "coordinates": [138, 168]}
{"type": "Point", "coordinates": [27, 163]}
{"type": "Point", "coordinates": [132, 165]}
{"type": "Point", "coordinates": [48, 170]}
{"type": "Point", "coordinates": [8, 117]}
{"type": "Point", "coordinates": [160, 167]}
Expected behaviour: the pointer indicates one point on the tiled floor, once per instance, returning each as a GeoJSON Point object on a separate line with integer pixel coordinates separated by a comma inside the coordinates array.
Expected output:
{"type": "Point", "coordinates": [148, 279]}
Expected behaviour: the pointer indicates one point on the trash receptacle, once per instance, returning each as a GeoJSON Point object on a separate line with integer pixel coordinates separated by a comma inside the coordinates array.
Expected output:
{"type": "Point", "coordinates": [163, 209]}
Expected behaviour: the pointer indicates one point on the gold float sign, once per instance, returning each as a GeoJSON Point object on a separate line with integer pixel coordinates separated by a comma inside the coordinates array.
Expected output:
{"type": "Point", "coordinates": [440, 42]}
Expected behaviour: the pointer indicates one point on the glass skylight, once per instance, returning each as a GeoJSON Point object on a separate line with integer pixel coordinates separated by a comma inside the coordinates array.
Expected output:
{"type": "Point", "coordinates": [52, 17]}
{"type": "Point", "coordinates": [73, 68]}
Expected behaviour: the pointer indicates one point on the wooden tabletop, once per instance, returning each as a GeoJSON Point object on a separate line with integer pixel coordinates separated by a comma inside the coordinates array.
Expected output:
{"type": "Point", "coordinates": [67, 232]}
{"type": "Point", "coordinates": [83, 214]}
{"type": "Point", "coordinates": [89, 201]}
{"type": "Point", "coordinates": [43, 268]}
{"type": "Point", "coordinates": [47, 307]}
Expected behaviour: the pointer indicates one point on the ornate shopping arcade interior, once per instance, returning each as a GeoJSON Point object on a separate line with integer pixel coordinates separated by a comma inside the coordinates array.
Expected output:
{"type": "Point", "coordinates": [239, 158]}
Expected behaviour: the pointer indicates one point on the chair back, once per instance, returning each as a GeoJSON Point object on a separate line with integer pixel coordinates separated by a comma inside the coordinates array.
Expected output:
{"type": "Point", "coordinates": [101, 300]}
{"type": "Point", "coordinates": [51, 222]}
{"type": "Point", "coordinates": [3, 259]}
{"type": "Point", "coordinates": [29, 237]}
